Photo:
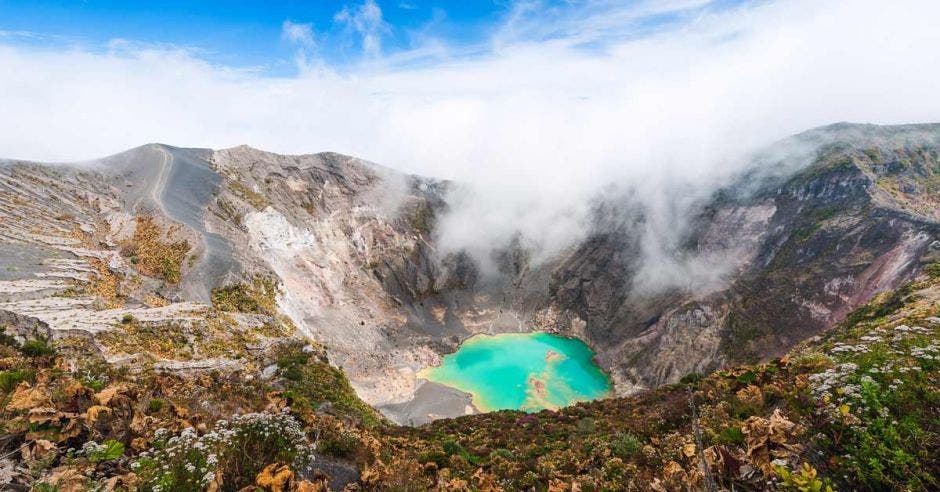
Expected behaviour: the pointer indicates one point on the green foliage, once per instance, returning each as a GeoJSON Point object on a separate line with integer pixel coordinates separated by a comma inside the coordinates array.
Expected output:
{"type": "Point", "coordinates": [882, 428]}
{"type": "Point", "coordinates": [502, 453]}
{"type": "Point", "coordinates": [109, 450]}
{"type": "Point", "coordinates": [879, 308]}
{"type": "Point", "coordinates": [8, 340]}
{"type": "Point", "coordinates": [810, 360]}
{"type": "Point", "coordinates": [803, 234]}
{"type": "Point", "coordinates": [312, 381]}
{"type": "Point", "coordinates": [586, 425]}
{"type": "Point", "coordinates": [691, 378]}
{"type": "Point", "coordinates": [437, 457]}
{"type": "Point", "coordinates": [168, 341]}
{"type": "Point", "coordinates": [874, 429]}
{"type": "Point", "coordinates": [742, 334]}
{"type": "Point", "coordinates": [155, 405]}
{"type": "Point", "coordinates": [45, 487]}
{"type": "Point", "coordinates": [10, 379]}
{"type": "Point", "coordinates": [337, 442]}
{"type": "Point", "coordinates": [747, 378]}
{"type": "Point", "coordinates": [881, 414]}
{"type": "Point", "coordinates": [127, 318]}
{"type": "Point", "coordinates": [452, 447]}
{"type": "Point", "coordinates": [803, 480]}
{"type": "Point", "coordinates": [228, 211]}
{"type": "Point", "coordinates": [626, 445]}
{"type": "Point", "coordinates": [732, 435]}
{"type": "Point", "coordinates": [37, 348]}
{"type": "Point", "coordinates": [95, 383]}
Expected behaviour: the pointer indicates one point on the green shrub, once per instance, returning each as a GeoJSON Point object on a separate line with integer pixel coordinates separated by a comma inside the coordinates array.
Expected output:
{"type": "Point", "coordinates": [502, 453]}
{"type": "Point", "coordinates": [8, 340]}
{"type": "Point", "coordinates": [452, 447]}
{"type": "Point", "coordinates": [423, 219]}
{"type": "Point", "coordinates": [732, 435]}
{"type": "Point", "coordinates": [95, 384]}
{"type": "Point", "coordinates": [109, 450]}
{"type": "Point", "coordinates": [803, 480]}
{"type": "Point", "coordinates": [747, 378]}
{"type": "Point", "coordinates": [437, 457]}
{"type": "Point", "coordinates": [626, 445]}
{"type": "Point", "coordinates": [155, 405]}
{"type": "Point", "coordinates": [291, 364]}
{"type": "Point", "coordinates": [691, 378]}
{"type": "Point", "coordinates": [10, 379]}
{"type": "Point", "coordinates": [314, 381]}
{"type": "Point", "coordinates": [335, 442]}
{"type": "Point", "coordinates": [37, 348]}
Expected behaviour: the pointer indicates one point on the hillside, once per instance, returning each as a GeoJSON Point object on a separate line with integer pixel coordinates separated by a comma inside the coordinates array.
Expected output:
{"type": "Point", "coordinates": [854, 408]}
{"type": "Point", "coordinates": [281, 306]}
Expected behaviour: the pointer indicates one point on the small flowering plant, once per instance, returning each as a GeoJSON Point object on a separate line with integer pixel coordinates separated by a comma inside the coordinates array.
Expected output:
{"type": "Point", "coordinates": [106, 451]}
{"type": "Point", "coordinates": [872, 400]}
{"type": "Point", "coordinates": [233, 451]}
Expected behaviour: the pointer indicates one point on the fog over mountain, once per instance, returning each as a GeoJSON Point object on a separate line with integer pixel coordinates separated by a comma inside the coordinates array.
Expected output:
{"type": "Point", "coordinates": [557, 107]}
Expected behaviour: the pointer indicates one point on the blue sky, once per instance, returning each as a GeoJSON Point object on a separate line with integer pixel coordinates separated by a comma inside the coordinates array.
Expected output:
{"type": "Point", "coordinates": [251, 33]}
{"type": "Point", "coordinates": [244, 33]}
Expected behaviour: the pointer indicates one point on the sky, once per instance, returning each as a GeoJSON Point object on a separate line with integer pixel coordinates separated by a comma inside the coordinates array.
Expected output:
{"type": "Point", "coordinates": [90, 78]}
{"type": "Point", "coordinates": [535, 107]}
{"type": "Point", "coordinates": [245, 34]}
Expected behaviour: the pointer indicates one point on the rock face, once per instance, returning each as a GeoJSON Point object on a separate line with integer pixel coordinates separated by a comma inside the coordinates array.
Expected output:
{"type": "Point", "coordinates": [803, 250]}
{"type": "Point", "coordinates": [351, 247]}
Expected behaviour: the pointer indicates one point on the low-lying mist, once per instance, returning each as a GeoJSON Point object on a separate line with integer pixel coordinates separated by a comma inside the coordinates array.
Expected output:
{"type": "Point", "coordinates": [555, 112]}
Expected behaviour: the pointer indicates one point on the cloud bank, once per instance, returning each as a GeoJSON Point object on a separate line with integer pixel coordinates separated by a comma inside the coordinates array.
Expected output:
{"type": "Point", "coordinates": [557, 106]}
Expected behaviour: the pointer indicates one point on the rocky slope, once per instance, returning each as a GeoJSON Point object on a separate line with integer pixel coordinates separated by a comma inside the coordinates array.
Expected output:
{"type": "Point", "coordinates": [198, 270]}
{"type": "Point", "coordinates": [852, 409]}
{"type": "Point", "coordinates": [350, 247]}
{"type": "Point", "coordinates": [860, 219]}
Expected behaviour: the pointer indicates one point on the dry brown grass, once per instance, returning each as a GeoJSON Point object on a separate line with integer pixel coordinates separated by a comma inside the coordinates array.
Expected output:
{"type": "Point", "coordinates": [153, 255]}
{"type": "Point", "coordinates": [105, 284]}
{"type": "Point", "coordinates": [81, 236]}
{"type": "Point", "coordinates": [155, 301]}
{"type": "Point", "coordinates": [256, 200]}
{"type": "Point", "coordinates": [165, 341]}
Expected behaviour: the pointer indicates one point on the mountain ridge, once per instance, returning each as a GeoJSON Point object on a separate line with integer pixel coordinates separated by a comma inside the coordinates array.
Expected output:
{"type": "Point", "coordinates": [409, 274]}
{"type": "Point", "coordinates": [217, 266]}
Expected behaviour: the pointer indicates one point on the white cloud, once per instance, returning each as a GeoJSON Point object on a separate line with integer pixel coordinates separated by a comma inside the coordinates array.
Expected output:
{"type": "Point", "coordinates": [366, 20]}
{"type": "Point", "coordinates": [534, 127]}
{"type": "Point", "coordinates": [298, 33]}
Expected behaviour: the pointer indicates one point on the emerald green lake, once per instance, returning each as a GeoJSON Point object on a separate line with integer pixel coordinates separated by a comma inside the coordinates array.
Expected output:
{"type": "Point", "coordinates": [522, 371]}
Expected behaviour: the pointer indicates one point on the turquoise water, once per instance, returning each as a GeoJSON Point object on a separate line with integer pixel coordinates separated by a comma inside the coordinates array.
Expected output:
{"type": "Point", "coordinates": [522, 371]}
